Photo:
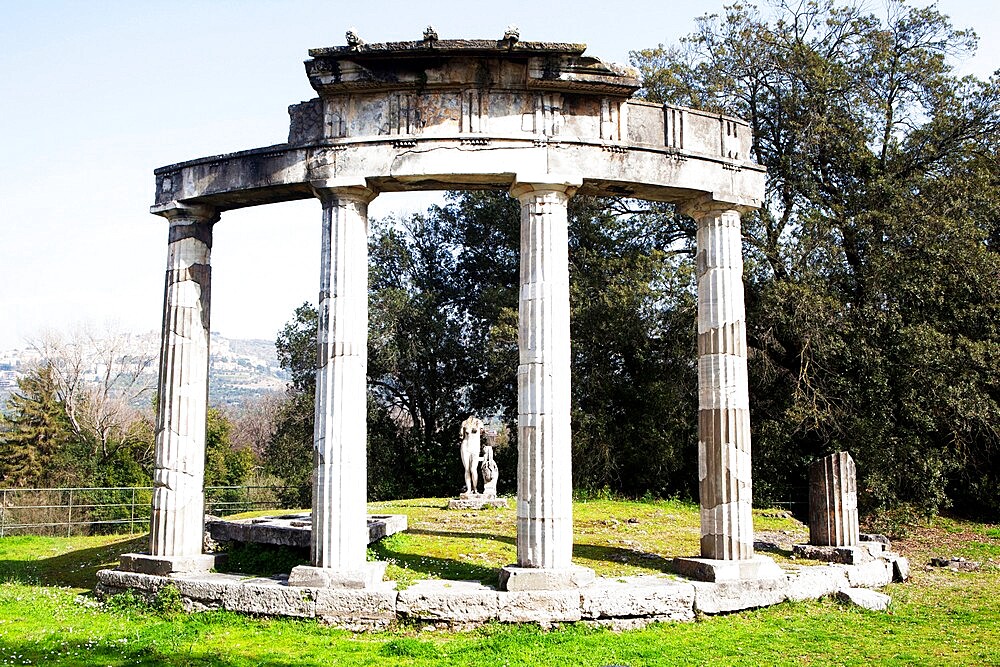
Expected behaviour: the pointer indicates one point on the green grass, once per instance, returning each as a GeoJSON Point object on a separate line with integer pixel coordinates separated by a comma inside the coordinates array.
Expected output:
{"type": "Point", "coordinates": [939, 618]}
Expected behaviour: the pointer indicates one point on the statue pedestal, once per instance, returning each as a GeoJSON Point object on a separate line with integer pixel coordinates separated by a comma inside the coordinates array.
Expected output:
{"type": "Point", "coordinates": [476, 501]}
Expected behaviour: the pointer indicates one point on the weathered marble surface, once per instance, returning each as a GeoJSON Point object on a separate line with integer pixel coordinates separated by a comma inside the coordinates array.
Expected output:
{"type": "Point", "coordinates": [340, 477]}
{"type": "Point", "coordinates": [293, 530]}
{"type": "Point", "coordinates": [833, 501]}
{"type": "Point", "coordinates": [724, 467]}
{"type": "Point", "coordinates": [179, 459]}
{"type": "Point", "coordinates": [544, 461]}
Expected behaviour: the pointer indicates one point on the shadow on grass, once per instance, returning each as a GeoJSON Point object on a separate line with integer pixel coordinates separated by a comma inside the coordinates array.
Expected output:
{"type": "Point", "coordinates": [76, 569]}
{"type": "Point", "coordinates": [472, 536]}
{"type": "Point", "coordinates": [591, 552]}
{"type": "Point", "coordinates": [434, 566]}
{"type": "Point", "coordinates": [596, 552]}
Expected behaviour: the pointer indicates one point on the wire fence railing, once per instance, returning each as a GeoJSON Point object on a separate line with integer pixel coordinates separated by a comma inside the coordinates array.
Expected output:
{"type": "Point", "coordinates": [123, 509]}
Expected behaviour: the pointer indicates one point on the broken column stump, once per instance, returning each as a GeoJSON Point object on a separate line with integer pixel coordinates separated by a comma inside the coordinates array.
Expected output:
{"type": "Point", "coordinates": [833, 501]}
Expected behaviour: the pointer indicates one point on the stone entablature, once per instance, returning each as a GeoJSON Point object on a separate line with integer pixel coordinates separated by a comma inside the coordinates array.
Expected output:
{"type": "Point", "coordinates": [461, 114]}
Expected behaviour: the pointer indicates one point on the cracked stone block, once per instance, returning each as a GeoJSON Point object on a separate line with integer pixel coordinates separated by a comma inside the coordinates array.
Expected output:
{"type": "Point", "coordinates": [814, 582]}
{"type": "Point", "coordinates": [121, 580]}
{"type": "Point", "coordinates": [346, 606]}
{"type": "Point", "coordinates": [455, 602]}
{"type": "Point", "coordinates": [542, 607]}
{"type": "Point", "coordinates": [209, 587]}
{"type": "Point", "coordinates": [653, 597]}
{"type": "Point", "coordinates": [270, 599]}
{"type": "Point", "coordinates": [852, 555]}
{"type": "Point", "coordinates": [712, 598]}
{"type": "Point", "coordinates": [875, 574]}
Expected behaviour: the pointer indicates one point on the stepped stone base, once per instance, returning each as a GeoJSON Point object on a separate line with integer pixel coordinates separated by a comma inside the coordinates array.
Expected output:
{"type": "Point", "coordinates": [621, 603]}
{"type": "Point", "coordinates": [514, 578]}
{"type": "Point", "coordinates": [166, 565]}
{"type": "Point", "coordinates": [308, 576]}
{"type": "Point", "coordinates": [710, 569]}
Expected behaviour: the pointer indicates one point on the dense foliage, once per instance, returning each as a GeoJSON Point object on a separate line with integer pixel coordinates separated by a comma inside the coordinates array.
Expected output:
{"type": "Point", "coordinates": [872, 283]}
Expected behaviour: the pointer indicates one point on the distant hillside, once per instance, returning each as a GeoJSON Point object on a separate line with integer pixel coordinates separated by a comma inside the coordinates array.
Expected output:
{"type": "Point", "coordinates": [237, 368]}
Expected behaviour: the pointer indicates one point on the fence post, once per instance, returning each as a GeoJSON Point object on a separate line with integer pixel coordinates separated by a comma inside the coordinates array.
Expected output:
{"type": "Point", "coordinates": [3, 513]}
{"type": "Point", "coordinates": [69, 519]}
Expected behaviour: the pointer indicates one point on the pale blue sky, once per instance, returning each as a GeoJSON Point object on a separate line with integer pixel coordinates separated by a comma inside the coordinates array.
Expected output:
{"type": "Point", "coordinates": [95, 95]}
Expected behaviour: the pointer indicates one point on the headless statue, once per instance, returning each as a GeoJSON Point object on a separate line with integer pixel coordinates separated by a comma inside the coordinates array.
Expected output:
{"type": "Point", "coordinates": [472, 429]}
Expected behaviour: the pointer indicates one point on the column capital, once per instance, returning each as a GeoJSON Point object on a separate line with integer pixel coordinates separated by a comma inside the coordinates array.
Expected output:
{"type": "Point", "coordinates": [526, 184]}
{"type": "Point", "coordinates": [175, 210]}
{"type": "Point", "coordinates": [355, 189]}
{"type": "Point", "coordinates": [699, 207]}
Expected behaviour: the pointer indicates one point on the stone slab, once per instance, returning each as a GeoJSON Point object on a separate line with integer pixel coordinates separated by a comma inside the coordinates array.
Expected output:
{"type": "Point", "coordinates": [716, 570]}
{"type": "Point", "coordinates": [862, 597]}
{"type": "Point", "coordinates": [477, 503]}
{"type": "Point", "coordinates": [115, 581]}
{"type": "Point", "coordinates": [370, 607]}
{"type": "Point", "coordinates": [165, 565]}
{"type": "Point", "coordinates": [514, 578]}
{"type": "Point", "coordinates": [293, 530]}
{"type": "Point", "coordinates": [453, 602]}
{"type": "Point", "coordinates": [724, 597]}
{"type": "Point", "coordinates": [813, 582]}
{"type": "Point", "coordinates": [875, 574]}
{"type": "Point", "coordinates": [639, 596]}
{"type": "Point", "coordinates": [269, 598]}
{"type": "Point", "coordinates": [368, 576]}
{"type": "Point", "coordinates": [864, 553]}
{"type": "Point", "coordinates": [542, 607]}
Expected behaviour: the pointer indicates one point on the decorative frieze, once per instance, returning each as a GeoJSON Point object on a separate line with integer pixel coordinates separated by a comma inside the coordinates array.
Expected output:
{"type": "Point", "coordinates": [474, 111]}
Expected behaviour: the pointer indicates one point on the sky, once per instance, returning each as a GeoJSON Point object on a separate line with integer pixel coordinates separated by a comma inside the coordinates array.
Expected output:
{"type": "Point", "coordinates": [95, 95]}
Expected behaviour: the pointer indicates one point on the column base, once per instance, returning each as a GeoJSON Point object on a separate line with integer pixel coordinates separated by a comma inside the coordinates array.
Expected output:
{"type": "Point", "coordinates": [370, 574]}
{"type": "Point", "coordinates": [167, 565]}
{"type": "Point", "coordinates": [712, 569]}
{"type": "Point", "coordinates": [515, 578]}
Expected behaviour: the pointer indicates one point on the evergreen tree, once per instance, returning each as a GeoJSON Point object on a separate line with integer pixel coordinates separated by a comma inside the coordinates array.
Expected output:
{"type": "Point", "coordinates": [33, 432]}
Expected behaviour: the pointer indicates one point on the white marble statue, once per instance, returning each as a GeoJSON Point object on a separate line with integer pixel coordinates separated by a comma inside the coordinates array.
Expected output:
{"type": "Point", "coordinates": [471, 432]}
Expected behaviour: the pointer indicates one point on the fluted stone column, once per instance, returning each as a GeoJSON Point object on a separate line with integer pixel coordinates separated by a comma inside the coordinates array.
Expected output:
{"type": "Point", "coordinates": [723, 397]}
{"type": "Point", "coordinates": [724, 465]}
{"type": "Point", "coordinates": [833, 502]}
{"type": "Point", "coordinates": [544, 468]}
{"type": "Point", "coordinates": [176, 525]}
{"type": "Point", "coordinates": [339, 525]}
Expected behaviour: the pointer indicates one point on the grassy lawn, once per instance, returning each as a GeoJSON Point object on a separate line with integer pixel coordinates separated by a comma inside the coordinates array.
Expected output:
{"type": "Point", "coordinates": [47, 616]}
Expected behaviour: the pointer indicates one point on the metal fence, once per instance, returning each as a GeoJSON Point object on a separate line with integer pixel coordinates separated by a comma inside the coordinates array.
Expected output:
{"type": "Point", "coordinates": [85, 511]}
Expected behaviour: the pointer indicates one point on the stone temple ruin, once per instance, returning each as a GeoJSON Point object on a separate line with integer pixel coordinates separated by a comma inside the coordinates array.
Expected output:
{"type": "Point", "coordinates": [544, 122]}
